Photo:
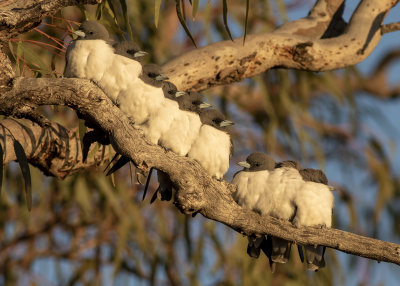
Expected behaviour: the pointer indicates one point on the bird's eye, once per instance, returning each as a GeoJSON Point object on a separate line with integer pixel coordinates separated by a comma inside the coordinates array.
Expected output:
{"type": "Point", "coordinates": [91, 32]}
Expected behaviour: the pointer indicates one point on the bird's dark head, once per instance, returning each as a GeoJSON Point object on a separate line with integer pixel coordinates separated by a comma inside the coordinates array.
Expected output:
{"type": "Point", "coordinates": [129, 49]}
{"type": "Point", "coordinates": [169, 90]}
{"type": "Point", "coordinates": [215, 119]}
{"type": "Point", "coordinates": [191, 101]}
{"type": "Point", "coordinates": [258, 161]}
{"type": "Point", "coordinates": [152, 75]}
{"type": "Point", "coordinates": [314, 175]}
{"type": "Point", "coordinates": [92, 30]}
{"type": "Point", "coordinates": [289, 164]}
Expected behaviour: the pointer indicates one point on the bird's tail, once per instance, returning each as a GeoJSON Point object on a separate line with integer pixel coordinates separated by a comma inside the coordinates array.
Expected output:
{"type": "Point", "coordinates": [280, 250]}
{"type": "Point", "coordinates": [254, 246]}
{"type": "Point", "coordinates": [315, 257]}
{"type": "Point", "coordinates": [166, 187]}
{"type": "Point", "coordinates": [266, 247]}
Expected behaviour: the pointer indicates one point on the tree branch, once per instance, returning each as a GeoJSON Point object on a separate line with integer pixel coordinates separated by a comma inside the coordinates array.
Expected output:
{"type": "Point", "coordinates": [54, 149]}
{"type": "Point", "coordinates": [392, 27]}
{"type": "Point", "coordinates": [17, 17]}
{"type": "Point", "coordinates": [289, 46]}
{"type": "Point", "coordinates": [197, 191]}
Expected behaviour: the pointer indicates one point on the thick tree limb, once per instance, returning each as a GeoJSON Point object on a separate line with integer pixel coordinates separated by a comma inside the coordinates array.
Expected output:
{"type": "Point", "coordinates": [197, 191]}
{"type": "Point", "coordinates": [289, 46]}
{"type": "Point", "coordinates": [17, 17]}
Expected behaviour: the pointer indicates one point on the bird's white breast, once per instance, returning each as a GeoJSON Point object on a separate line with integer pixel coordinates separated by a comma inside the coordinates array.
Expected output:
{"type": "Point", "coordinates": [314, 203]}
{"type": "Point", "coordinates": [119, 76]}
{"type": "Point", "coordinates": [182, 132]}
{"type": "Point", "coordinates": [212, 150]}
{"type": "Point", "coordinates": [159, 122]}
{"type": "Point", "coordinates": [278, 200]}
{"type": "Point", "coordinates": [250, 186]}
{"type": "Point", "coordinates": [88, 59]}
{"type": "Point", "coordinates": [140, 101]}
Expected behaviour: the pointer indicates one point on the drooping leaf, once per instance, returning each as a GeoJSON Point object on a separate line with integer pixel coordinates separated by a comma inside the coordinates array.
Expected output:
{"type": "Point", "coordinates": [147, 184]}
{"type": "Point", "coordinates": [118, 165]}
{"type": "Point", "coordinates": [18, 61]}
{"type": "Point", "coordinates": [34, 60]}
{"type": "Point", "coordinates": [182, 21]}
{"type": "Point", "coordinates": [246, 20]}
{"type": "Point", "coordinates": [99, 10]}
{"type": "Point", "coordinates": [183, 10]}
{"type": "Point", "coordinates": [225, 16]}
{"type": "Point", "coordinates": [130, 173]}
{"type": "Point", "coordinates": [126, 17]}
{"type": "Point", "coordinates": [114, 158]}
{"type": "Point", "coordinates": [195, 7]}
{"type": "Point", "coordinates": [1, 166]}
{"type": "Point", "coordinates": [84, 12]}
{"type": "Point", "coordinates": [157, 5]}
{"type": "Point", "coordinates": [23, 164]}
{"type": "Point", "coordinates": [82, 131]}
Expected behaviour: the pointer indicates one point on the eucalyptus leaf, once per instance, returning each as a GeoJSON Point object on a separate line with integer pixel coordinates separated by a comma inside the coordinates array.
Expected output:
{"type": "Point", "coordinates": [1, 167]}
{"type": "Point", "coordinates": [225, 16]}
{"type": "Point", "coordinates": [23, 164]}
{"type": "Point", "coordinates": [157, 5]}
{"type": "Point", "coordinates": [182, 21]}
{"type": "Point", "coordinates": [195, 7]}
{"type": "Point", "coordinates": [246, 20]}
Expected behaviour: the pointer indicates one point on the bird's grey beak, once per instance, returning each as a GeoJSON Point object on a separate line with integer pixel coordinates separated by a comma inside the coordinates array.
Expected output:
{"type": "Point", "coordinates": [244, 164]}
{"type": "Point", "coordinates": [140, 54]}
{"type": "Point", "coordinates": [226, 123]}
{"type": "Point", "coordinates": [161, 77]}
{"type": "Point", "coordinates": [331, 188]}
{"type": "Point", "coordinates": [79, 33]}
{"type": "Point", "coordinates": [204, 105]}
{"type": "Point", "coordinates": [180, 93]}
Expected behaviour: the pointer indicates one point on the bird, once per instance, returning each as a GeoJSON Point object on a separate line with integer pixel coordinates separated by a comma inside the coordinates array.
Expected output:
{"type": "Point", "coordinates": [171, 91]}
{"type": "Point", "coordinates": [250, 183]}
{"type": "Point", "coordinates": [144, 97]}
{"type": "Point", "coordinates": [152, 75]}
{"type": "Point", "coordinates": [213, 147]}
{"type": "Point", "coordinates": [277, 202]}
{"type": "Point", "coordinates": [92, 56]}
{"type": "Point", "coordinates": [129, 49]}
{"type": "Point", "coordinates": [314, 175]}
{"type": "Point", "coordinates": [314, 202]}
{"type": "Point", "coordinates": [180, 135]}
{"type": "Point", "coordinates": [289, 164]}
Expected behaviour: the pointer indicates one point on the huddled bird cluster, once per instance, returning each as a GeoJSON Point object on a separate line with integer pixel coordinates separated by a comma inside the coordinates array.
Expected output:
{"type": "Point", "coordinates": [181, 122]}
{"type": "Point", "coordinates": [285, 191]}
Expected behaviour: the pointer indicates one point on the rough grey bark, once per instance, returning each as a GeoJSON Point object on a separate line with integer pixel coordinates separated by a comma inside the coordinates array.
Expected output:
{"type": "Point", "coordinates": [197, 191]}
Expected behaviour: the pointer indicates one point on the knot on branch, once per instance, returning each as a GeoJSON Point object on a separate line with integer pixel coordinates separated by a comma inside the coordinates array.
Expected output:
{"type": "Point", "coordinates": [301, 55]}
{"type": "Point", "coordinates": [189, 200]}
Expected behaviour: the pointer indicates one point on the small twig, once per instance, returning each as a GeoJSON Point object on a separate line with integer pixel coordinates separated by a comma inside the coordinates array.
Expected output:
{"type": "Point", "coordinates": [392, 27]}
